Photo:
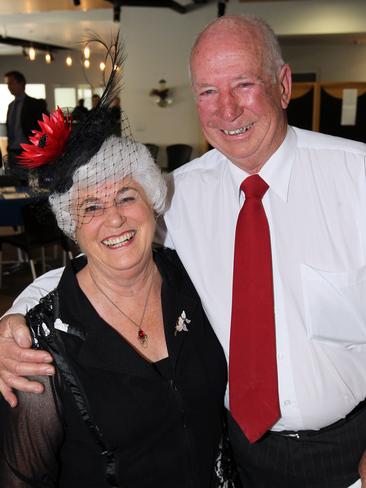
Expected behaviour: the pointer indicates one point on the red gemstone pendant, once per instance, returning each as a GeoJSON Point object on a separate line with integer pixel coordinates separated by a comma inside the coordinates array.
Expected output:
{"type": "Point", "coordinates": [142, 338]}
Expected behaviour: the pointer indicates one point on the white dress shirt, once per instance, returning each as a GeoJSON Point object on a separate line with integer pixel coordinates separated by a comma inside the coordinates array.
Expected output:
{"type": "Point", "coordinates": [316, 209]}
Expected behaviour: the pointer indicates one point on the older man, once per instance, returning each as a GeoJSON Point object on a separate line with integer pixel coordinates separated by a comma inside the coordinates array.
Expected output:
{"type": "Point", "coordinates": [270, 226]}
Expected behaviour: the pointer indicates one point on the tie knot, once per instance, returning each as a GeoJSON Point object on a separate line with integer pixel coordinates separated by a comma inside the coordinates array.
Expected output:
{"type": "Point", "coordinates": [254, 187]}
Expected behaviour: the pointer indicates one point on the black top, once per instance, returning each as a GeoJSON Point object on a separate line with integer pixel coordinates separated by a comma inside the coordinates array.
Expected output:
{"type": "Point", "coordinates": [161, 422]}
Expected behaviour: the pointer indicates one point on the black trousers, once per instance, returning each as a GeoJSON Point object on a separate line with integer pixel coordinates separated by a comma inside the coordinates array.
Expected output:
{"type": "Point", "coordinates": [327, 458]}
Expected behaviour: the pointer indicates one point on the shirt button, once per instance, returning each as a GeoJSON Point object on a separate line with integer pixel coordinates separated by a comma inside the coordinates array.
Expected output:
{"type": "Point", "coordinates": [287, 403]}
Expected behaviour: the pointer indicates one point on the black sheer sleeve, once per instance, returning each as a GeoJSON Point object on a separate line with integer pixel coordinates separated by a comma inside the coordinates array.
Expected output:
{"type": "Point", "coordinates": [31, 436]}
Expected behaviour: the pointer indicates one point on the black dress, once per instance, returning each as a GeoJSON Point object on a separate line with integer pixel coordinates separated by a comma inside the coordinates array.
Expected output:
{"type": "Point", "coordinates": [109, 417]}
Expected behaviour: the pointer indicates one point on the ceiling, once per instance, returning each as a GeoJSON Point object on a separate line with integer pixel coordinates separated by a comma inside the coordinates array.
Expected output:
{"type": "Point", "coordinates": [63, 22]}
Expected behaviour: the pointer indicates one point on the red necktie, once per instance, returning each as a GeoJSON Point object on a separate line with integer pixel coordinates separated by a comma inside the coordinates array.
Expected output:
{"type": "Point", "coordinates": [252, 366]}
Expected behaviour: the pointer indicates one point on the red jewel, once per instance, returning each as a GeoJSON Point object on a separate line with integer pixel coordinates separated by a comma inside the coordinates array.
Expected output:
{"type": "Point", "coordinates": [141, 334]}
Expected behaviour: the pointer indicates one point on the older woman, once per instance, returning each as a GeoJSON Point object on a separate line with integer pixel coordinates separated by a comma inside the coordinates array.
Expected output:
{"type": "Point", "coordinates": [138, 393]}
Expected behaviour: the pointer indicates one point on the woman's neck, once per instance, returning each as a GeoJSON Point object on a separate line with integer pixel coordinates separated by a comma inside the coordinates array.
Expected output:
{"type": "Point", "coordinates": [118, 283]}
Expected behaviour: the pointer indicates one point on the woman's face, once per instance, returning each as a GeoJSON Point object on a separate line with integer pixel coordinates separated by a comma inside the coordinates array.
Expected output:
{"type": "Point", "coordinates": [115, 226]}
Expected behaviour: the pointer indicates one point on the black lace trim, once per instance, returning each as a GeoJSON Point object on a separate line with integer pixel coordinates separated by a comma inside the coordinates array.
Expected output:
{"type": "Point", "coordinates": [41, 320]}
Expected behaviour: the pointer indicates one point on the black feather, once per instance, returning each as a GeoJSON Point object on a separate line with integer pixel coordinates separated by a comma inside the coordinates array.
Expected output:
{"type": "Point", "coordinates": [87, 136]}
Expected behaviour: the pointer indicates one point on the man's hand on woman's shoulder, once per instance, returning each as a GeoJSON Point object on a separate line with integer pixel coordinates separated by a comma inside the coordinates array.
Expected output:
{"type": "Point", "coordinates": [18, 360]}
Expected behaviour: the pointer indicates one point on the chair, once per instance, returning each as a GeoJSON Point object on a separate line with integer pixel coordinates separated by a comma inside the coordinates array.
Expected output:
{"type": "Point", "coordinates": [40, 229]}
{"type": "Point", "coordinates": [8, 180]}
{"type": "Point", "coordinates": [178, 154]}
{"type": "Point", "coordinates": [154, 150]}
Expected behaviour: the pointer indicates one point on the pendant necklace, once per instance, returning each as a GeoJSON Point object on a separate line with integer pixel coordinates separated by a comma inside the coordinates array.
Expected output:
{"type": "Point", "coordinates": [142, 337]}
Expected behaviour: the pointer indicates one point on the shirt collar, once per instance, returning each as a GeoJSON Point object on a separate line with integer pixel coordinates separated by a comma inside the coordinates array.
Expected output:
{"type": "Point", "coordinates": [277, 170]}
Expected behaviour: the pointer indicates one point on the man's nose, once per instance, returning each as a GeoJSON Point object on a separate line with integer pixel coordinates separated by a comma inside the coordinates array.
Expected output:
{"type": "Point", "coordinates": [229, 106]}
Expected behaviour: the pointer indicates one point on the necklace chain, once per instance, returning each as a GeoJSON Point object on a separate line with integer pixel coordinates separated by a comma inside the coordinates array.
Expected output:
{"type": "Point", "coordinates": [142, 337]}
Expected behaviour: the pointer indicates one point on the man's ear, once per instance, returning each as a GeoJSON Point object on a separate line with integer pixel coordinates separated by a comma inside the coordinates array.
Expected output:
{"type": "Point", "coordinates": [285, 83]}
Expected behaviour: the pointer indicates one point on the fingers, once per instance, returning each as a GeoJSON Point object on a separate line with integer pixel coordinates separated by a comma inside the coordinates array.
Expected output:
{"type": "Point", "coordinates": [30, 356]}
{"type": "Point", "coordinates": [21, 384]}
{"type": "Point", "coordinates": [9, 351]}
{"type": "Point", "coordinates": [15, 327]}
{"type": "Point", "coordinates": [17, 360]}
{"type": "Point", "coordinates": [8, 394]}
{"type": "Point", "coordinates": [23, 362]}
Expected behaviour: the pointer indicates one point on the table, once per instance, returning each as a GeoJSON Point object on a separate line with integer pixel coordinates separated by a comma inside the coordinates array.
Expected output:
{"type": "Point", "coordinates": [12, 200]}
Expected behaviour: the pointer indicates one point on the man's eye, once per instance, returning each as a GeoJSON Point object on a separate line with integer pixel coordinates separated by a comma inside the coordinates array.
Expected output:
{"type": "Point", "coordinates": [245, 84]}
{"type": "Point", "coordinates": [206, 93]}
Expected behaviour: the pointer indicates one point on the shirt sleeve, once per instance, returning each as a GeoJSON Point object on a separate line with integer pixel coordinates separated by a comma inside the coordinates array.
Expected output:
{"type": "Point", "coordinates": [40, 287]}
{"type": "Point", "coordinates": [31, 436]}
{"type": "Point", "coordinates": [162, 236]}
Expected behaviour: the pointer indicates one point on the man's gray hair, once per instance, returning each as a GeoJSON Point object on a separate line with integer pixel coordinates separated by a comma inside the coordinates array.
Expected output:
{"type": "Point", "coordinates": [118, 158]}
{"type": "Point", "coordinates": [272, 54]}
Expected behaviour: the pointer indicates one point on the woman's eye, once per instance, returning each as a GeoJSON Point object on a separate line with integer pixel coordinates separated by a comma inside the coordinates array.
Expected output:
{"type": "Point", "coordinates": [126, 198]}
{"type": "Point", "coordinates": [91, 208]}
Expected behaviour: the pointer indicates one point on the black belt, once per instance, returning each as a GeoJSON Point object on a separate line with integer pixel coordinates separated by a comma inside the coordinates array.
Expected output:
{"type": "Point", "coordinates": [299, 434]}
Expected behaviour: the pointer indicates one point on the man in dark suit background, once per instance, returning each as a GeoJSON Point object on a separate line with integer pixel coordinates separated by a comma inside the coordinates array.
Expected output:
{"type": "Point", "coordinates": [22, 117]}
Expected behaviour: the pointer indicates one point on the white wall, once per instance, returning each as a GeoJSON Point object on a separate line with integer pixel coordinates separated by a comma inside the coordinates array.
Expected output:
{"type": "Point", "coordinates": [330, 62]}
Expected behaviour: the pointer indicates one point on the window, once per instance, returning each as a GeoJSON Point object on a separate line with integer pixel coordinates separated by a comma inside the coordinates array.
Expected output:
{"type": "Point", "coordinates": [65, 97]}
{"type": "Point", "coordinates": [85, 92]}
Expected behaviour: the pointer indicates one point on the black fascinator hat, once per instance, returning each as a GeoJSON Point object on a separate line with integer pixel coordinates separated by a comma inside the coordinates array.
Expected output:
{"type": "Point", "coordinates": [59, 148]}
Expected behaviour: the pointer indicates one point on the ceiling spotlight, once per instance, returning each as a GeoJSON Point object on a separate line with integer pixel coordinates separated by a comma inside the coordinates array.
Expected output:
{"type": "Point", "coordinates": [69, 61]}
{"type": "Point", "coordinates": [86, 63]}
{"type": "Point", "coordinates": [86, 52]}
{"type": "Point", "coordinates": [32, 54]}
{"type": "Point", "coordinates": [48, 58]}
{"type": "Point", "coordinates": [102, 66]}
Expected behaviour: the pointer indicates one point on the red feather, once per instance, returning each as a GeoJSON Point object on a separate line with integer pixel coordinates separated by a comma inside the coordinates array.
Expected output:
{"type": "Point", "coordinates": [48, 143]}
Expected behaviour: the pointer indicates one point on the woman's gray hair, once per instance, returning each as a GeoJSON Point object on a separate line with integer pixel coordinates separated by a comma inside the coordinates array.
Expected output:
{"type": "Point", "coordinates": [118, 158]}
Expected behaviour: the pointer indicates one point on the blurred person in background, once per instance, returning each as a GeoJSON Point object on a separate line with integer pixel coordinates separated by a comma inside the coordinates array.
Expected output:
{"type": "Point", "coordinates": [22, 117]}
{"type": "Point", "coordinates": [95, 100]}
{"type": "Point", "coordinates": [115, 112]}
{"type": "Point", "coordinates": [80, 111]}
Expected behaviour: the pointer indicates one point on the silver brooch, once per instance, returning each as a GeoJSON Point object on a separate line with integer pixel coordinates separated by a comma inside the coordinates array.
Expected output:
{"type": "Point", "coordinates": [181, 323]}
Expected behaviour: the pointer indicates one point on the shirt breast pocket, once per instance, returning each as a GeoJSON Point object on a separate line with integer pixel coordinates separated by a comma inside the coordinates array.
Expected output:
{"type": "Point", "coordinates": [335, 305]}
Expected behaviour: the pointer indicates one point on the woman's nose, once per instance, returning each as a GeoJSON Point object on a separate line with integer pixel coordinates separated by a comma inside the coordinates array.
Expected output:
{"type": "Point", "coordinates": [114, 215]}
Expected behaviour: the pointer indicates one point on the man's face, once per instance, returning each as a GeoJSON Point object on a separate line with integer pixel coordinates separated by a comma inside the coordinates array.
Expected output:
{"type": "Point", "coordinates": [240, 103]}
{"type": "Point", "coordinates": [15, 87]}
